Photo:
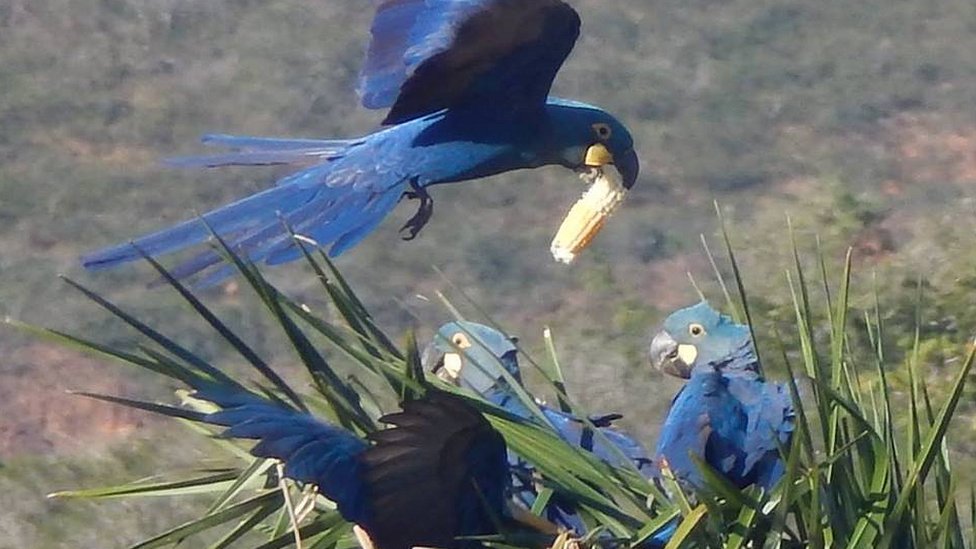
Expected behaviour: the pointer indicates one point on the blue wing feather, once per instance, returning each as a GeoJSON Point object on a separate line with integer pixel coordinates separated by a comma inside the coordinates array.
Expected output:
{"type": "Point", "coordinates": [439, 473]}
{"type": "Point", "coordinates": [736, 425]}
{"type": "Point", "coordinates": [430, 55]}
{"type": "Point", "coordinates": [313, 452]}
{"type": "Point", "coordinates": [404, 34]}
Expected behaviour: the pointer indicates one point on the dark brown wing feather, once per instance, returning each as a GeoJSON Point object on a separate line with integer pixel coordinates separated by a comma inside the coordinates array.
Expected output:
{"type": "Point", "coordinates": [430, 55]}
{"type": "Point", "coordinates": [439, 473]}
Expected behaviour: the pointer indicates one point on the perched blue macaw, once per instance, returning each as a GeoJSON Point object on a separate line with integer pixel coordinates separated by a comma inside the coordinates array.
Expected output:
{"type": "Point", "coordinates": [439, 473]}
{"type": "Point", "coordinates": [466, 83]}
{"type": "Point", "coordinates": [473, 355]}
{"type": "Point", "coordinates": [726, 414]}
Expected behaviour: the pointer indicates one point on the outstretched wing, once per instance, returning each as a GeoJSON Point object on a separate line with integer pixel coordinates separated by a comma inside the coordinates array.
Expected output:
{"type": "Point", "coordinates": [312, 451]}
{"type": "Point", "coordinates": [428, 55]}
{"type": "Point", "coordinates": [439, 473]}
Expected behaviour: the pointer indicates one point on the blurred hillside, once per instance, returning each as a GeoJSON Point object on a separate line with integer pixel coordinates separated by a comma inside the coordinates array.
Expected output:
{"type": "Point", "coordinates": [855, 119]}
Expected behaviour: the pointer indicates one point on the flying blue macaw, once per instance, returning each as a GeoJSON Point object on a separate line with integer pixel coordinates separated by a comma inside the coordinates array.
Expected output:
{"type": "Point", "coordinates": [473, 356]}
{"type": "Point", "coordinates": [437, 476]}
{"type": "Point", "coordinates": [726, 414]}
{"type": "Point", "coordinates": [467, 86]}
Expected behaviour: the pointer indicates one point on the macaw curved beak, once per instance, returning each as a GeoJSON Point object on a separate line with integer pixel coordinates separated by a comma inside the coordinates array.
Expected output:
{"type": "Point", "coordinates": [671, 358]}
{"type": "Point", "coordinates": [629, 167]}
{"type": "Point", "coordinates": [627, 164]}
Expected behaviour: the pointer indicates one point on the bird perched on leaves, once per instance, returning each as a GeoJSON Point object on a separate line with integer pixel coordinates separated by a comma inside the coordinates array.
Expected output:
{"type": "Point", "coordinates": [473, 355]}
{"type": "Point", "coordinates": [467, 86]}
{"type": "Point", "coordinates": [726, 414]}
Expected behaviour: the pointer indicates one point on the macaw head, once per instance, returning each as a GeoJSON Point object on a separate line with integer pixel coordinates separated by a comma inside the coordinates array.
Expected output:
{"type": "Point", "coordinates": [586, 137]}
{"type": "Point", "coordinates": [694, 336]}
{"type": "Point", "coordinates": [471, 355]}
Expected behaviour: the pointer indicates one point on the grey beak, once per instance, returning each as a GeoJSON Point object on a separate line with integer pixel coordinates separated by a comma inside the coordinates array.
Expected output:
{"type": "Point", "coordinates": [664, 356]}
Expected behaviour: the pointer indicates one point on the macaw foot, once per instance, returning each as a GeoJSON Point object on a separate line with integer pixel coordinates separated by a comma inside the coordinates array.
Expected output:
{"type": "Point", "coordinates": [425, 210]}
{"type": "Point", "coordinates": [606, 420]}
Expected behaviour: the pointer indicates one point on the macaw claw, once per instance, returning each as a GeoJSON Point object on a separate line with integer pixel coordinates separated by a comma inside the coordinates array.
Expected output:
{"type": "Point", "coordinates": [425, 210]}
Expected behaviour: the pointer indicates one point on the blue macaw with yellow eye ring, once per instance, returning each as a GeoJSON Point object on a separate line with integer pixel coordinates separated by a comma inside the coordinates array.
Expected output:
{"type": "Point", "coordinates": [467, 86]}
{"type": "Point", "coordinates": [726, 414]}
{"type": "Point", "coordinates": [473, 356]}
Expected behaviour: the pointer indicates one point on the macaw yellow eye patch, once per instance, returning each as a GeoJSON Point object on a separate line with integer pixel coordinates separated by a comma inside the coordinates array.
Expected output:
{"type": "Point", "coordinates": [589, 214]}
{"type": "Point", "coordinates": [453, 365]}
{"type": "Point", "coordinates": [687, 353]}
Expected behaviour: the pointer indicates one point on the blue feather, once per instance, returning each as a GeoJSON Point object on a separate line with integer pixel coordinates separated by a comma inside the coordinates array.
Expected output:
{"type": "Point", "coordinates": [404, 34]}
{"type": "Point", "coordinates": [467, 84]}
{"type": "Point", "coordinates": [252, 143]}
{"type": "Point", "coordinates": [430, 55]}
{"type": "Point", "coordinates": [733, 419]}
{"type": "Point", "coordinates": [255, 227]}
{"type": "Point", "coordinates": [489, 354]}
{"type": "Point", "coordinates": [313, 452]}
{"type": "Point", "coordinates": [266, 151]}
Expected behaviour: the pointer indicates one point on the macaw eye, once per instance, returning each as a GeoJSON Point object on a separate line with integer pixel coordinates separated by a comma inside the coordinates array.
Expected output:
{"type": "Point", "coordinates": [461, 340]}
{"type": "Point", "coordinates": [603, 131]}
{"type": "Point", "coordinates": [696, 330]}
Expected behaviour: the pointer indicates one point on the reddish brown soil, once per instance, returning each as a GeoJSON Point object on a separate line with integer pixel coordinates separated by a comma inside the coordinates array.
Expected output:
{"type": "Point", "coordinates": [933, 149]}
{"type": "Point", "coordinates": [38, 416]}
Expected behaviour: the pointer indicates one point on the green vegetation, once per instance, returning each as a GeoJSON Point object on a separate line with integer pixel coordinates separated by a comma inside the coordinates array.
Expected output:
{"type": "Point", "coordinates": [867, 467]}
{"type": "Point", "coordinates": [853, 118]}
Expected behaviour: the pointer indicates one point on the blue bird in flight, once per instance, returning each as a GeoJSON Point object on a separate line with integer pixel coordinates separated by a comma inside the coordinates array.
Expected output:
{"type": "Point", "coordinates": [726, 414]}
{"type": "Point", "coordinates": [466, 84]}
{"type": "Point", "coordinates": [438, 473]}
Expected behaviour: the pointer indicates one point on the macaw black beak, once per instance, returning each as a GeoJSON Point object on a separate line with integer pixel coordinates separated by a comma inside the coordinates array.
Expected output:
{"type": "Point", "coordinates": [667, 356]}
{"type": "Point", "coordinates": [629, 167]}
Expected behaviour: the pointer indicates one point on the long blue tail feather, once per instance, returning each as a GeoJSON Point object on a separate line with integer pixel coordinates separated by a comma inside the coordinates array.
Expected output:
{"type": "Point", "coordinates": [251, 143]}
{"type": "Point", "coordinates": [265, 151]}
{"type": "Point", "coordinates": [242, 215]}
{"type": "Point", "coordinates": [256, 227]}
{"type": "Point", "coordinates": [299, 157]}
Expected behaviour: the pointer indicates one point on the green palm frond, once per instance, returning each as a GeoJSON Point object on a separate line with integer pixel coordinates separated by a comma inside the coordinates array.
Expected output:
{"type": "Point", "coordinates": [867, 467]}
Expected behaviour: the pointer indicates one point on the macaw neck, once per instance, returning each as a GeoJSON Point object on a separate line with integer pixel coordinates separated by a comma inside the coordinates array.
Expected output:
{"type": "Point", "coordinates": [462, 144]}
